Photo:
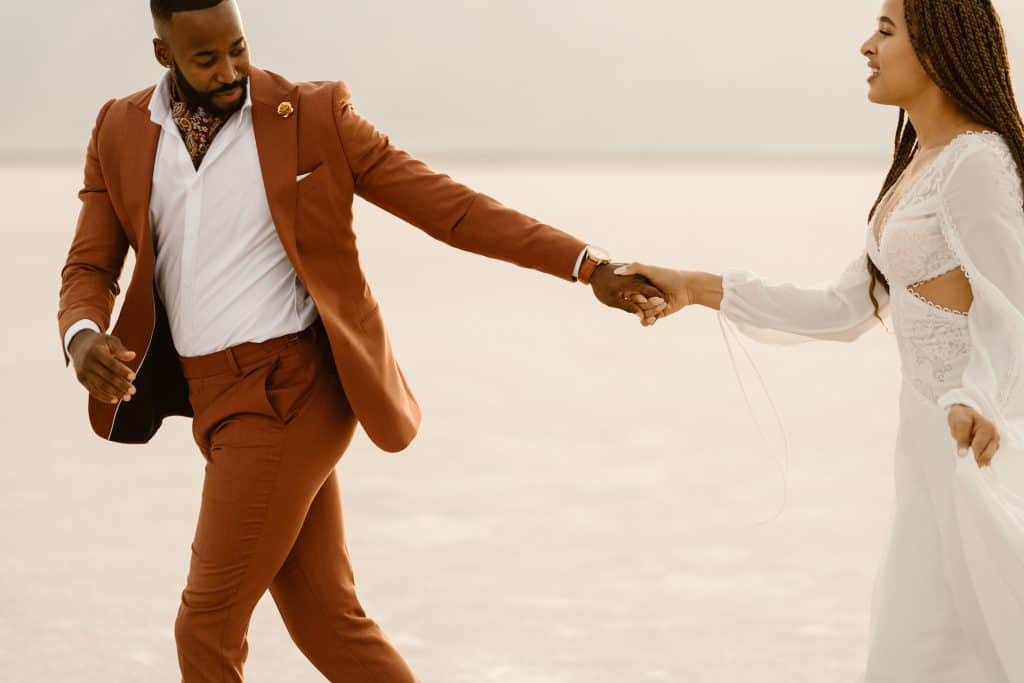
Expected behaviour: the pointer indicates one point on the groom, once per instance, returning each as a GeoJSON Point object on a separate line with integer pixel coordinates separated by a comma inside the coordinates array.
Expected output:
{"type": "Point", "coordinates": [248, 311]}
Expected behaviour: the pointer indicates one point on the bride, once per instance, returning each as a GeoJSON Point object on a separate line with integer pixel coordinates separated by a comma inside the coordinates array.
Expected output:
{"type": "Point", "coordinates": [945, 258]}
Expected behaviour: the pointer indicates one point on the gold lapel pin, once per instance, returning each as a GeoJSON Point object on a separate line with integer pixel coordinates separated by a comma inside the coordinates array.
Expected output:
{"type": "Point", "coordinates": [285, 109]}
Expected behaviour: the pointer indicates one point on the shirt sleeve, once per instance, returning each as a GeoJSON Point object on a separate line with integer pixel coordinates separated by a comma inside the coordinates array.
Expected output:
{"type": "Point", "coordinates": [75, 329]}
{"type": "Point", "coordinates": [982, 218]}
{"type": "Point", "coordinates": [784, 313]}
{"type": "Point", "coordinates": [579, 263]}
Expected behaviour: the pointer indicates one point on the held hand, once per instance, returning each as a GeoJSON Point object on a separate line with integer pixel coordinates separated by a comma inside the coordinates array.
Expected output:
{"type": "Point", "coordinates": [611, 291]}
{"type": "Point", "coordinates": [99, 367]}
{"type": "Point", "coordinates": [971, 430]}
{"type": "Point", "coordinates": [674, 283]}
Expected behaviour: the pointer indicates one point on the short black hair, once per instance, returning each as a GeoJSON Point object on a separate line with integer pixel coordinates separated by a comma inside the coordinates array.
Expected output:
{"type": "Point", "coordinates": [163, 9]}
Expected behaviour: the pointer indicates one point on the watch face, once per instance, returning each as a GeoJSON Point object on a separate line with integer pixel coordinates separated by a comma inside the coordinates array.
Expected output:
{"type": "Point", "coordinates": [598, 254]}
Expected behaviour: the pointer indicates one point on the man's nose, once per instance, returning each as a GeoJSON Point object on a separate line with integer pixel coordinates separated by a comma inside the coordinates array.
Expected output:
{"type": "Point", "coordinates": [228, 74]}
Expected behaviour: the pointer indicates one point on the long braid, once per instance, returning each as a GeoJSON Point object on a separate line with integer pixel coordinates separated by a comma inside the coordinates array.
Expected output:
{"type": "Point", "coordinates": [962, 46]}
{"type": "Point", "coordinates": [904, 149]}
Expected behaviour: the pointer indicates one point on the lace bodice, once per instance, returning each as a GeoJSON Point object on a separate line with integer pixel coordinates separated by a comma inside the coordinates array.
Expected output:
{"type": "Point", "coordinates": [934, 344]}
{"type": "Point", "coordinates": [910, 249]}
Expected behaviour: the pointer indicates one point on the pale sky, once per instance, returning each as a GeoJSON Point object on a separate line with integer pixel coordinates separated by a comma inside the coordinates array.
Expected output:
{"type": "Point", "coordinates": [545, 79]}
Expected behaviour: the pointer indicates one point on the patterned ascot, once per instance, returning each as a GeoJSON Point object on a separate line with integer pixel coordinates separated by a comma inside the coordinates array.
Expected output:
{"type": "Point", "coordinates": [197, 127]}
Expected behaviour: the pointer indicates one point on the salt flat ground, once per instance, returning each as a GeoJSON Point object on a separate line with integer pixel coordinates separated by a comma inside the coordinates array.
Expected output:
{"type": "Point", "coordinates": [582, 504]}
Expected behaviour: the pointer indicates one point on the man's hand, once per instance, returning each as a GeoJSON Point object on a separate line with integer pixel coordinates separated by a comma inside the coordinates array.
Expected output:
{"type": "Point", "coordinates": [99, 367]}
{"type": "Point", "coordinates": [971, 430]}
{"type": "Point", "coordinates": [611, 289]}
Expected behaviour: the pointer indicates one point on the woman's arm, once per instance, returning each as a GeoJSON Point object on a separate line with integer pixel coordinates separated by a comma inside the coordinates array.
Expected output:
{"type": "Point", "coordinates": [779, 313]}
{"type": "Point", "coordinates": [982, 219]}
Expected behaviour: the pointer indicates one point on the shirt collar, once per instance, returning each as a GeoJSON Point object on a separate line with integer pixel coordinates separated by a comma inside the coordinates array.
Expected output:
{"type": "Point", "coordinates": [160, 102]}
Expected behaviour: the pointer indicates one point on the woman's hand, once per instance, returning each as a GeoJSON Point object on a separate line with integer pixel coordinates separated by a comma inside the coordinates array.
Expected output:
{"type": "Point", "coordinates": [971, 430]}
{"type": "Point", "coordinates": [674, 284]}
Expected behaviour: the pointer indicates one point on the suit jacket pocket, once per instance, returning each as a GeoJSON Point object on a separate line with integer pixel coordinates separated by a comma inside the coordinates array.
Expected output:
{"type": "Point", "coordinates": [316, 201]}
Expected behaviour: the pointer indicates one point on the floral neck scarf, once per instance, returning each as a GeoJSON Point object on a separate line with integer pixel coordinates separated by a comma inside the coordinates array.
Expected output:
{"type": "Point", "coordinates": [197, 127]}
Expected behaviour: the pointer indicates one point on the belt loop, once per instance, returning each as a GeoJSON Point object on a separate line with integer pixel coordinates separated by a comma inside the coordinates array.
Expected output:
{"type": "Point", "coordinates": [233, 362]}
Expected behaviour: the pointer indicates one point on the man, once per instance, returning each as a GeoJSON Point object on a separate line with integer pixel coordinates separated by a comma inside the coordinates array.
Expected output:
{"type": "Point", "coordinates": [248, 311]}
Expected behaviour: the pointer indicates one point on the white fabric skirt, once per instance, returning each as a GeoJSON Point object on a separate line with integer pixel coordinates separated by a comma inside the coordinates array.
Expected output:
{"type": "Point", "coordinates": [948, 603]}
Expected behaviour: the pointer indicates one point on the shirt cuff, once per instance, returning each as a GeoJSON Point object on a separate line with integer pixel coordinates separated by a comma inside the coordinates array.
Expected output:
{"type": "Point", "coordinates": [75, 329]}
{"type": "Point", "coordinates": [732, 304]}
{"type": "Point", "coordinates": [579, 263]}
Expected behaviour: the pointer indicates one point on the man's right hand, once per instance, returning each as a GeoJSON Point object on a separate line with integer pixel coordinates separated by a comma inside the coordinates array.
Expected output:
{"type": "Point", "coordinates": [99, 367]}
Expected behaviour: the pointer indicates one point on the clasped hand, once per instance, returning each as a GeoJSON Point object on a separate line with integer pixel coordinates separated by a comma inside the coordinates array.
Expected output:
{"type": "Point", "coordinates": [636, 294]}
{"type": "Point", "coordinates": [675, 292]}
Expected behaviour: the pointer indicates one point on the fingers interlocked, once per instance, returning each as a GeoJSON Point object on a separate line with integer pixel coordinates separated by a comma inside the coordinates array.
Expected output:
{"type": "Point", "coordinates": [649, 310]}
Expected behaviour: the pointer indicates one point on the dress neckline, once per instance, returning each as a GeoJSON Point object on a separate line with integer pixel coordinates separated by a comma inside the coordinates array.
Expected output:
{"type": "Point", "coordinates": [878, 236]}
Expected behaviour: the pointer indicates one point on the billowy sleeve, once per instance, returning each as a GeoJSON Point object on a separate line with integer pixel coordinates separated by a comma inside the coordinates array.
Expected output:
{"type": "Point", "coordinates": [982, 218]}
{"type": "Point", "coordinates": [783, 313]}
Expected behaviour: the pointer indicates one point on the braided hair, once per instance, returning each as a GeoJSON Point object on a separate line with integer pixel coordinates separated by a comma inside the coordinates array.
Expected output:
{"type": "Point", "coordinates": [962, 47]}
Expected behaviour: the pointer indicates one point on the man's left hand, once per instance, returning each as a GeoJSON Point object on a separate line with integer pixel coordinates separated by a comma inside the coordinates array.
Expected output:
{"type": "Point", "coordinates": [611, 290]}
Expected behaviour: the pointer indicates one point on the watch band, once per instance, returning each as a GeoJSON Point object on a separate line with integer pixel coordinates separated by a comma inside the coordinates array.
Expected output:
{"type": "Point", "coordinates": [587, 269]}
{"type": "Point", "coordinates": [592, 258]}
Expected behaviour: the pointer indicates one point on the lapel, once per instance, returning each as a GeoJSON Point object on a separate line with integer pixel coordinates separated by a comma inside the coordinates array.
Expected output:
{"type": "Point", "coordinates": [277, 145]}
{"type": "Point", "coordinates": [141, 138]}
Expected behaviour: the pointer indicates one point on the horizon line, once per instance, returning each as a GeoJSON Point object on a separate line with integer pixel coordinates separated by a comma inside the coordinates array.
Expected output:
{"type": "Point", "coordinates": [538, 157]}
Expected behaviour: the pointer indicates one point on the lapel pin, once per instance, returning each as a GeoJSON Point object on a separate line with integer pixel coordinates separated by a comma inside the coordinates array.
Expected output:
{"type": "Point", "coordinates": [285, 109]}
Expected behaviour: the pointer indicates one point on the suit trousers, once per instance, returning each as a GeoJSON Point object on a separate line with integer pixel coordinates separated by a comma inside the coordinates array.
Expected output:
{"type": "Point", "coordinates": [272, 420]}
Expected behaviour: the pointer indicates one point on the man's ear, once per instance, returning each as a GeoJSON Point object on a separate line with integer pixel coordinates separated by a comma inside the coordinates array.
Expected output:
{"type": "Point", "coordinates": [162, 53]}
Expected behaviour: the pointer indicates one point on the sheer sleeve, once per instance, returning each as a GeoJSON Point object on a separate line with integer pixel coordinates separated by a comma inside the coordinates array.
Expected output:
{"type": "Point", "coordinates": [983, 221]}
{"type": "Point", "coordinates": [782, 313]}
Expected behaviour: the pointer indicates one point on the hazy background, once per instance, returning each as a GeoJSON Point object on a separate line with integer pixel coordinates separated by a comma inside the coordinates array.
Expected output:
{"type": "Point", "coordinates": [500, 78]}
{"type": "Point", "coordinates": [581, 504]}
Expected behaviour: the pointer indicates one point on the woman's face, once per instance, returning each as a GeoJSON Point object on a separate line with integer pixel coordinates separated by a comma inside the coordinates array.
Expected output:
{"type": "Point", "coordinates": [897, 77]}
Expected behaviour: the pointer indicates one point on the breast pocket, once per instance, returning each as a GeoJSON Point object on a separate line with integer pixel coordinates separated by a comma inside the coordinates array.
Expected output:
{"type": "Point", "coordinates": [320, 212]}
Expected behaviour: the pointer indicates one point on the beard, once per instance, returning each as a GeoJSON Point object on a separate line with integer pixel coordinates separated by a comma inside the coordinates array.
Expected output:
{"type": "Point", "coordinates": [196, 99]}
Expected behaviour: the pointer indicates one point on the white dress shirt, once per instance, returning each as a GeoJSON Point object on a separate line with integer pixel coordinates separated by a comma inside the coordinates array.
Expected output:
{"type": "Point", "coordinates": [221, 271]}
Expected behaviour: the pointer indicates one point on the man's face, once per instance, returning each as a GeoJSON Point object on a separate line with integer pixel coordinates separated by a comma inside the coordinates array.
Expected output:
{"type": "Point", "coordinates": [208, 56]}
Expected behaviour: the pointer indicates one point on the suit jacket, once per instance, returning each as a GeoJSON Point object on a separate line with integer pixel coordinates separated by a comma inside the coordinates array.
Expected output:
{"type": "Point", "coordinates": [345, 156]}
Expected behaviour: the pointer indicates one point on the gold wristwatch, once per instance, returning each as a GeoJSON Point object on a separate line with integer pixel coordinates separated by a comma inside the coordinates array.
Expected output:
{"type": "Point", "coordinates": [592, 258]}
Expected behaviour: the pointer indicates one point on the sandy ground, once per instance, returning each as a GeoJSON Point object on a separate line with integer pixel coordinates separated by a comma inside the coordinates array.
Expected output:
{"type": "Point", "coordinates": [582, 504]}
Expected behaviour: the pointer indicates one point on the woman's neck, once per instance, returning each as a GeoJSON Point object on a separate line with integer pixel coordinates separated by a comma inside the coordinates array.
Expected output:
{"type": "Point", "coordinates": [937, 120]}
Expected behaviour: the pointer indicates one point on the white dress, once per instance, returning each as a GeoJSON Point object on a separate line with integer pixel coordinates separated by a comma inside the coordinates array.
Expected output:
{"type": "Point", "coordinates": [949, 598]}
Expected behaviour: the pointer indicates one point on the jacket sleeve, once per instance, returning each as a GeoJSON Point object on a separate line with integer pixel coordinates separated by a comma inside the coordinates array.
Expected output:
{"type": "Point", "coordinates": [783, 313]}
{"type": "Point", "coordinates": [443, 208]}
{"type": "Point", "coordinates": [96, 257]}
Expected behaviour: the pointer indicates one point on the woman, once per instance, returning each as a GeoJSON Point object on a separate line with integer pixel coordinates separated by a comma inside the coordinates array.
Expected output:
{"type": "Point", "coordinates": [945, 255]}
